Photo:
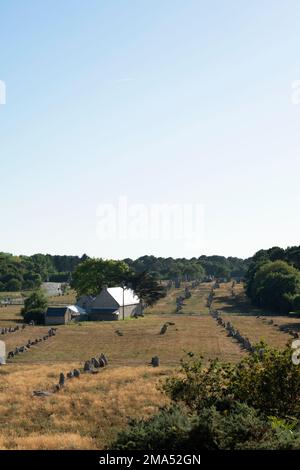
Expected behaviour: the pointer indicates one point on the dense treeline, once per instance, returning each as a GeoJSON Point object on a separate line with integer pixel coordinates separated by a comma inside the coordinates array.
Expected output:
{"type": "Point", "coordinates": [273, 279]}
{"type": "Point", "coordinates": [189, 269]}
{"type": "Point", "coordinates": [28, 272]}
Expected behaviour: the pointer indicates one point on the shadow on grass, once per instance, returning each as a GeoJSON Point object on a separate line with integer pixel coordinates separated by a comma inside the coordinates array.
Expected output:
{"type": "Point", "coordinates": [241, 306]}
{"type": "Point", "coordinates": [237, 306]}
{"type": "Point", "coordinates": [292, 326]}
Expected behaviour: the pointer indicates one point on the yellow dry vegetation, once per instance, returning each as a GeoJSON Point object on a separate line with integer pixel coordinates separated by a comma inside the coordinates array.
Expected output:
{"type": "Point", "coordinates": [86, 414]}
{"type": "Point", "coordinates": [194, 305]}
{"type": "Point", "coordinates": [140, 341]}
{"type": "Point", "coordinates": [256, 330]}
{"type": "Point", "coordinates": [10, 314]}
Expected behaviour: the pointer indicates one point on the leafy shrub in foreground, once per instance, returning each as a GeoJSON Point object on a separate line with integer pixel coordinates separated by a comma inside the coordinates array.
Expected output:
{"type": "Point", "coordinates": [266, 380]}
{"type": "Point", "coordinates": [173, 429]}
{"type": "Point", "coordinates": [254, 404]}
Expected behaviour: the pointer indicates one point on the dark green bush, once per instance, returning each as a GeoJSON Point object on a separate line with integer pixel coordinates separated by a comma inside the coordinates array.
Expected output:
{"type": "Point", "coordinates": [35, 307]}
{"type": "Point", "coordinates": [173, 429]}
{"type": "Point", "coordinates": [167, 430]}
{"type": "Point", "coordinates": [37, 315]}
{"type": "Point", "coordinates": [254, 404]}
{"type": "Point", "coordinates": [266, 380]}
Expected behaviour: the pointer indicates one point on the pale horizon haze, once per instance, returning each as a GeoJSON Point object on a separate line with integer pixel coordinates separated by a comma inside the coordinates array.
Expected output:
{"type": "Point", "coordinates": [162, 103]}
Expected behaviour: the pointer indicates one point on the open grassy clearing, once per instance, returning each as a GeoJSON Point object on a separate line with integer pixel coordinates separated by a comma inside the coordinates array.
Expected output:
{"type": "Point", "coordinates": [14, 295]}
{"type": "Point", "coordinates": [242, 315]}
{"type": "Point", "coordinates": [9, 314]}
{"type": "Point", "coordinates": [86, 414]}
{"type": "Point", "coordinates": [256, 330]}
{"type": "Point", "coordinates": [167, 304]}
{"type": "Point", "coordinates": [196, 304]}
{"type": "Point", "coordinates": [21, 337]}
{"type": "Point", "coordinates": [238, 304]}
{"type": "Point", "coordinates": [69, 298]}
{"type": "Point", "coordinates": [65, 299]}
{"type": "Point", "coordinates": [293, 323]}
{"type": "Point", "coordinates": [140, 341]}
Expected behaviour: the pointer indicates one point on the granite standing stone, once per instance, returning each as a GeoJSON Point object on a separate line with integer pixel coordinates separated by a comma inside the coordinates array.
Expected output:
{"type": "Point", "coordinates": [2, 352]}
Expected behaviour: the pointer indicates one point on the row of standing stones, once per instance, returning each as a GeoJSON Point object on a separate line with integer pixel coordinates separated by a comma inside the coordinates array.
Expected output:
{"type": "Point", "coordinates": [284, 328]}
{"type": "Point", "coordinates": [233, 332]}
{"type": "Point", "coordinates": [180, 300]}
{"type": "Point", "coordinates": [244, 341]}
{"type": "Point", "coordinates": [91, 366]}
{"type": "Point", "coordinates": [11, 329]}
{"type": "Point", "coordinates": [177, 284]}
{"type": "Point", "coordinates": [30, 343]}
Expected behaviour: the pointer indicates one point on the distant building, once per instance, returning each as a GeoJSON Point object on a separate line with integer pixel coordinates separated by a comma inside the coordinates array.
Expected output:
{"type": "Point", "coordinates": [63, 315]}
{"type": "Point", "coordinates": [113, 303]}
{"type": "Point", "coordinates": [52, 288]}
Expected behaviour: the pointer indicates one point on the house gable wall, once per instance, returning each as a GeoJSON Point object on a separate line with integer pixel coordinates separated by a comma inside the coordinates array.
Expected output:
{"type": "Point", "coordinates": [129, 311]}
{"type": "Point", "coordinates": [104, 300]}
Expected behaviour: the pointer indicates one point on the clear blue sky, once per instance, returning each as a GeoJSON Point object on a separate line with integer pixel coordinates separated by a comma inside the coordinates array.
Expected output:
{"type": "Point", "coordinates": [162, 101]}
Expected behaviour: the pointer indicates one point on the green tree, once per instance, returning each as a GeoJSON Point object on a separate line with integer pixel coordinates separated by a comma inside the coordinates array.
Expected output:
{"type": "Point", "coordinates": [274, 285]}
{"type": "Point", "coordinates": [35, 307]}
{"type": "Point", "coordinates": [148, 289]}
{"type": "Point", "coordinates": [13, 285]}
{"type": "Point", "coordinates": [32, 280]}
{"type": "Point", "coordinates": [93, 274]}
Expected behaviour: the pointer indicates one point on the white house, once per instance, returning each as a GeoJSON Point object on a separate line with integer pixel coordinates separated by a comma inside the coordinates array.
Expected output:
{"type": "Point", "coordinates": [113, 303]}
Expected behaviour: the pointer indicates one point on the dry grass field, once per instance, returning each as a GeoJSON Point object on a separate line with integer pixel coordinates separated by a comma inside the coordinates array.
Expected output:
{"type": "Point", "coordinates": [257, 331]}
{"type": "Point", "coordinates": [237, 304]}
{"type": "Point", "coordinates": [86, 414]}
{"type": "Point", "coordinates": [196, 304]}
{"type": "Point", "coordinates": [68, 298]}
{"type": "Point", "coordinates": [167, 304]}
{"type": "Point", "coordinates": [89, 411]}
{"type": "Point", "coordinates": [10, 314]}
{"type": "Point", "coordinates": [141, 340]}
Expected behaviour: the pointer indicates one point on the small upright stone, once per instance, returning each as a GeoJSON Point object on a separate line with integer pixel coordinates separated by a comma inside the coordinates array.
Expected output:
{"type": "Point", "coordinates": [104, 358]}
{"type": "Point", "coordinates": [95, 363]}
{"type": "Point", "coordinates": [155, 361]}
{"type": "Point", "coordinates": [101, 362]}
{"type": "Point", "coordinates": [163, 329]}
{"type": "Point", "coordinates": [76, 373]}
{"type": "Point", "coordinates": [61, 379]}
